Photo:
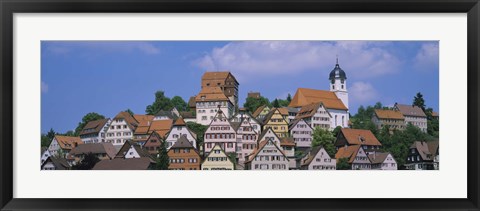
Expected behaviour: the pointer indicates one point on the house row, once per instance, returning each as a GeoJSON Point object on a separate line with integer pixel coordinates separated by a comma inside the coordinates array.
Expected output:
{"type": "Point", "coordinates": [400, 116]}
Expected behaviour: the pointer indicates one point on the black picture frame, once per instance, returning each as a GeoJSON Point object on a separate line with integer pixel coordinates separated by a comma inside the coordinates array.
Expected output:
{"type": "Point", "coordinates": [10, 7]}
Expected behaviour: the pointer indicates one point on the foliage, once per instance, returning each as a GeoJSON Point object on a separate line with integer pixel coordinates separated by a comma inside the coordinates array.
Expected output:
{"type": "Point", "coordinates": [343, 164]}
{"type": "Point", "coordinates": [179, 103]}
{"type": "Point", "coordinates": [70, 133]}
{"type": "Point", "coordinates": [363, 118]}
{"type": "Point", "coordinates": [130, 112]}
{"type": "Point", "coordinates": [46, 139]}
{"type": "Point", "coordinates": [162, 161]}
{"type": "Point", "coordinates": [398, 144]}
{"type": "Point", "coordinates": [88, 162]}
{"type": "Point", "coordinates": [336, 131]}
{"type": "Point", "coordinates": [433, 128]}
{"type": "Point", "coordinates": [51, 134]}
{"type": "Point", "coordinates": [251, 103]}
{"type": "Point", "coordinates": [161, 103]}
{"type": "Point", "coordinates": [419, 101]}
{"type": "Point", "coordinates": [325, 138]}
{"type": "Point", "coordinates": [275, 103]}
{"type": "Point", "coordinates": [233, 157]}
{"type": "Point", "coordinates": [289, 98]}
{"type": "Point", "coordinates": [199, 130]}
{"type": "Point", "coordinates": [92, 116]}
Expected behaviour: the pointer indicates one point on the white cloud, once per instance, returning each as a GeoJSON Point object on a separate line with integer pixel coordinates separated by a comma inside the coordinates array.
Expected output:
{"type": "Point", "coordinates": [363, 92]}
{"type": "Point", "coordinates": [66, 47]}
{"type": "Point", "coordinates": [261, 58]}
{"type": "Point", "coordinates": [427, 57]}
{"type": "Point", "coordinates": [44, 87]}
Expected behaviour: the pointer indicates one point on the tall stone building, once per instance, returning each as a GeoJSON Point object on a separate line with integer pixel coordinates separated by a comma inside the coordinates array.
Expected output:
{"type": "Point", "coordinates": [225, 81]}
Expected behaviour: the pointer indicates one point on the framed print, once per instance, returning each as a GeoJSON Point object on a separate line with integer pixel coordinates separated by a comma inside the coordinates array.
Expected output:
{"type": "Point", "coordinates": [161, 105]}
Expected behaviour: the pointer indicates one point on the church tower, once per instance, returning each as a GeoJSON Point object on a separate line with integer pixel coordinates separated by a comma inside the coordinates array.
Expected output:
{"type": "Point", "coordinates": [338, 83]}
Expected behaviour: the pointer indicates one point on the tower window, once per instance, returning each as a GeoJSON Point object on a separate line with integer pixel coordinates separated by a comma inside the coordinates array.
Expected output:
{"type": "Point", "coordinates": [342, 86]}
{"type": "Point", "coordinates": [333, 86]}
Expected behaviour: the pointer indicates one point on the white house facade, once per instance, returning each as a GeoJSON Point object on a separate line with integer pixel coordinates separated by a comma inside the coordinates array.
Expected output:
{"type": "Point", "coordinates": [179, 129]}
{"type": "Point", "coordinates": [301, 133]}
{"type": "Point", "coordinates": [121, 129]}
{"type": "Point", "coordinates": [220, 132]}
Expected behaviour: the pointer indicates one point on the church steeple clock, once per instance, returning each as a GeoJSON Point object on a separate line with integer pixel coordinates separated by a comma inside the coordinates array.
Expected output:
{"type": "Point", "coordinates": [338, 83]}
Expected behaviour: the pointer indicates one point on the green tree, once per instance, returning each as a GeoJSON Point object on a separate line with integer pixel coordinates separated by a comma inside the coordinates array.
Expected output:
{"type": "Point", "coordinates": [289, 98]}
{"type": "Point", "coordinates": [45, 141]}
{"type": "Point", "coordinates": [324, 138]}
{"type": "Point", "coordinates": [378, 105]}
{"type": "Point", "coordinates": [51, 134]}
{"type": "Point", "coordinates": [87, 163]}
{"type": "Point", "coordinates": [419, 101]}
{"type": "Point", "coordinates": [199, 130]}
{"type": "Point", "coordinates": [275, 103]}
{"type": "Point", "coordinates": [130, 112]}
{"type": "Point", "coordinates": [343, 164]}
{"type": "Point", "coordinates": [251, 104]}
{"type": "Point", "coordinates": [233, 157]}
{"type": "Point", "coordinates": [336, 131]}
{"type": "Point", "coordinates": [179, 103]}
{"type": "Point", "coordinates": [161, 103]}
{"type": "Point", "coordinates": [92, 116]}
{"type": "Point", "coordinates": [162, 161]}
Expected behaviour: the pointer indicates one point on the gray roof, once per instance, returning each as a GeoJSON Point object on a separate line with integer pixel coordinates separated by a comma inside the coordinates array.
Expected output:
{"type": "Point", "coordinates": [59, 163]}
{"type": "Point", "coordinates": [123, 164]}
{"type": "Point", "coordinates": [93, 127]}
{"type": "Point", "coordinates": [95, 148]}
{"type": "Point", "coordinates": [182, 142]}
{"type": "Point", "coordinates": [377, 157]}
{"type": "Point", "coordinates": [337, 72]}
{"type": "Point", "coordinates": [168, 114]}
{"type": "Point", "coordinates": [410, 110]}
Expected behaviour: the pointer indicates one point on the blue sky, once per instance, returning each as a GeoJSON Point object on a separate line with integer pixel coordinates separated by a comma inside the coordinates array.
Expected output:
{"type": "Point", "coordinates": [108, 77]}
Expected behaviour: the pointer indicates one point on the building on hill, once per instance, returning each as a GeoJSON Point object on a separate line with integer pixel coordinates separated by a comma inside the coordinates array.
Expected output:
{"type": "Point", "coordinates": [245, 115]}
{"type": "Point", "coordinates": [246, 136]}
{"type": "Point", "coordinates": [121, 129]}
{"type": "Point", "coordinates": [188, 116]}
{"type": "Point", "coordinates": [133, 150]}
{"type": "Point", "coordinates": [62, 145]}
{"type": "Point", "coordinates": [255, 95]}
{"type": "Point", "coordinates": [318, 159]}
{"type": "Point", "coordinates": [356, 156]}
{"type": "Point", "coordinates": [153, 143]}
{"type": "Point", "coordinates": [164, 115]}
{"type": "Point", "coordinates": [94, 131]}
{"type": "Point", "coordinates": [393, 119]}
{"type": "Point", "coordinates": [209, 101]}
{"type": "Point", "coordinates": [178, 130]}
{"type": "Point", "coordinates": [288, 146]}
{"type": "Point", "coordinates": [268, 156]}
{"type": "Point", "coordinates": [316, 115]}
{"type": "Point", "coordinates": [359, 137]}
{"type": "Point", "coordinates": [226, 82]}
{"type": "Point", "coordinates": [183, 156]}
{"type": "Point", "coordinates": [292, 113]}
{"type": "Point", "coordinates": [382, 160]}
{"type": "Point", "coordinates": [261, 112]}
{"type": "Point", "coordinates": [220, 132]}
{"type": "Point", "coordinates": [423, 156]}
{"type": "Point", "coordinates": [217, 159]}
{"type": "Point", "coordinates": [103, 151]}
{"type": "Point", "coordinates": [277, 122]}
{"type": "Point", "coordinates": [301, 132]}
{"type": "Point", "coordinates": [55, 163]}
{"type": "Point", "coordinates": [142, 132]}
{"type": "Point", "coordinates": [125, 164]}
{"type": "Point", "coordinates": [413, 115]}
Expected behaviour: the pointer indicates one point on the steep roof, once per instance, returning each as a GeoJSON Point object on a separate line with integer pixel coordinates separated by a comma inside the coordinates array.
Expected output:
{"type": "Point", "coordinates": [129, 119]}
{"type": "Point", "coordinates": [410, 110]}
{"type": "Point", "coordinates": [388, 114]}
{"type": "Point", "coordinates": [94, 127]}
{"type": "Point", "coordinates": [292, 124]}
{"type": "Point", "coordinates": [259, 149]}
{"type": "Point", "coordinates": [187, 114]}
{"type": "Point", "coordinates": [123, 164]}
{"type": "Point", "coordinates": [360, 137]}
{"type": "Point", "coordinates": [270, 115]}
{"type": "Point", "coordinates": [287, 141]}
{"type": "Point", "coordinates": [179, 122]}
{"type": "Point", "coordinates": [311, 155]}
{"type": "Point", "coordinates": [258, 111]}
{"type": "Point", "coordinates": [162, 127]}
{"type": "Point", "coordinates": [58, 162]}
{"type": "Point", "coordinates": [143, 119]}
{"type": "Point", "coordinates": [349, 152]}
{"type": "Point", "coordinates": [283, 111]}
{"type": "Point", "coordinates": [377, 157]}
{"type": "Point", "coordinates": [215, 75]}
{"type": "Point", "coordinates": [123, 150]}
{"type": "Point", "coordinates": [426, 149]}
{"type": "Point", "coordinates": [169, 114]}
{"type": "Point", "coordinates": [68, 142]}
{"type": "Point", "coordinates": [95, 148]}
{"type": "Point", "coordinates": [435, 114]}
{"type": "Point", "coordinates": [211, 93]}
{"type": "Point", "coordinates": [182, 143]}
{"type": "Point", "coordinates": [305, 96]}
{"type": "Point", "coordinates": [217, 145]}
{"type": "Point", "coordinates": [309, 110]}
